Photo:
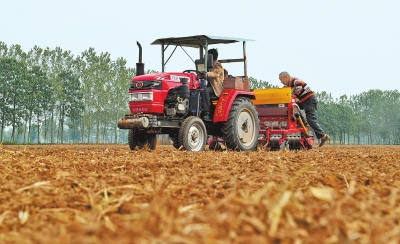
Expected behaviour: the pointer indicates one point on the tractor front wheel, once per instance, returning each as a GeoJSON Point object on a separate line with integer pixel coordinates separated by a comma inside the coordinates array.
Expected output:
{"type": "Point", "coordinates": [132, 139]}
{"type": "Point", "coordinates": [144, 139]}
{"type": "Point", "coordinates": [193, 134]}
{"type": "Point", "coordinates": [241, 130]}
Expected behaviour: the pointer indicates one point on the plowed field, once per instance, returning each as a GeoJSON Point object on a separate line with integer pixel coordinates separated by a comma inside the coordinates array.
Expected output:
{"type": "Point", "coordinates": [109, 194]}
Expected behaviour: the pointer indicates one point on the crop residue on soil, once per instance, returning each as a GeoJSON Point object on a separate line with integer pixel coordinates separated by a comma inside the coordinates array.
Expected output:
{"type": "Point", "coordinates": [107, 193]}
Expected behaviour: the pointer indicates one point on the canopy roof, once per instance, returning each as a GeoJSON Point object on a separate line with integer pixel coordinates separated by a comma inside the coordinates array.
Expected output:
{"type": "Point", "coordinates": [197, 41]}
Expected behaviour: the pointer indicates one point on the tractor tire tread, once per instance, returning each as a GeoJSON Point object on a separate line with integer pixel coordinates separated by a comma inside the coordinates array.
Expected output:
{"type": "Point", "coordinates": [229, 135]}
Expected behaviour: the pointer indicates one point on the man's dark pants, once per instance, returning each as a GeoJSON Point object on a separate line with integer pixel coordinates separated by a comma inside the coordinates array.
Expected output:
{"type": "Point", "coordinates": [310, 108]}
{"type": "Point", "coordinates": [208, 92]}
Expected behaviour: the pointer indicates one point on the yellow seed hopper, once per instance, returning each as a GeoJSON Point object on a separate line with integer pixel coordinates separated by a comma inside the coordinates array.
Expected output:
{"type": "Point", "coordinates": [272, 96]}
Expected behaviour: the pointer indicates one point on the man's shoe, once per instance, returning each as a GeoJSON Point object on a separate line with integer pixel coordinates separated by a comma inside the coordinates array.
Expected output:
{"type": "Point", "coordinates": [324, 140]}
{"type": "Point", "coordinates": [206, 117]}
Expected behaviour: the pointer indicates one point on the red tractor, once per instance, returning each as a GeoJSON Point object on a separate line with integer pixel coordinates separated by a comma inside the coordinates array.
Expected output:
{"type": "Point", "coordinates": [171, 102]}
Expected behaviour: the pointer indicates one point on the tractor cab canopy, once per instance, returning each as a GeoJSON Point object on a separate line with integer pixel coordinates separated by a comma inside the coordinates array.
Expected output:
{"type": "Point", "coordinates": [202, 42]}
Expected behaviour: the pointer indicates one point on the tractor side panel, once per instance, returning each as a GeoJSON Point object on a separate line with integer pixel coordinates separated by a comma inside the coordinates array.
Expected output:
{"type": "Point", "coordinates": [225, 101]}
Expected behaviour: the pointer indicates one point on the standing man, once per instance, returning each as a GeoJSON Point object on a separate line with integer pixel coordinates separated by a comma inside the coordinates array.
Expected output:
{"type": "Point", "coordinates": [215, 84]}
{"type": "Point", "coordinates": [307, 101]}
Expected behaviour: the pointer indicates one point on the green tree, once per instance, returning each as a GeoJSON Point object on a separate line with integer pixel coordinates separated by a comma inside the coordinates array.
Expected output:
{"type": "Point", "coordinates": [96, 77]}
{"type": "Point", "coordinates": [345, 115]}
{"type": "Point", "coordinates": [75, 96]}
{"type": "Point", "coordinates": [16, 95]}
{"type": "Point", "coordinates": [13, 73]}
{"type": "Point", "coordinates": [3, 49]}
{"type": "Point", "coordinates": [260, 84]}
{"type": "Point", "coordinates": [120, 83]}
{"type": "Point", "coordinates": [71, 99]}
{"type": "Point", "coordinates": [6, 71]}
{"type": "Point", "coordinates": [51, 64]}
{"type": "Point", "coordinates": [36, 86]}
{"type": "Point", "coordinates": [327, 111]}
{"type": "Point", "coordinates": [55, 62]}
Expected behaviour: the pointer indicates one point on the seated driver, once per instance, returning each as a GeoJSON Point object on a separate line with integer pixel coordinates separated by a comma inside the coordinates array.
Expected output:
{"type": "Point", "coordinates": [214, 87]}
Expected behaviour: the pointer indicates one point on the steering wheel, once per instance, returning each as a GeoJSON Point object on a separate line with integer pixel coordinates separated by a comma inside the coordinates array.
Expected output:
{"type": "Point", "coordinates": [199, 74]}
{"type": "Point", "coordinates": [191, 70]}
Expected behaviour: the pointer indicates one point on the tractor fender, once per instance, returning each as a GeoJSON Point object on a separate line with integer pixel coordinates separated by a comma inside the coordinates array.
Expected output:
{"type": "Point", "coordinates": [225, 101]}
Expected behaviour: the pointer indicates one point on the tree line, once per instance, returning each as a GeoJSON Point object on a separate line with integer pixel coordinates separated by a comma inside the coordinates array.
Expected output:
{"type": "Point", "coordinates": [371, 117]}
{"type": "Point", "coordinates": [50, 96]}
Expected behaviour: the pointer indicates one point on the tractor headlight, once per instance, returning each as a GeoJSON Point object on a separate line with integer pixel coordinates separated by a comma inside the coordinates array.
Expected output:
{"type": "Point", "coordinates": [134, 97]}
{"type": "Point", "coordinates": [141, 96]}
{"type": "Point", "coordinates": [148, 96]}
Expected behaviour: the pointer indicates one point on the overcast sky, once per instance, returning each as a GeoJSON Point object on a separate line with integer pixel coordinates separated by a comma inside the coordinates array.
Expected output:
{"type": "Point", "coordinates": [342, 46]}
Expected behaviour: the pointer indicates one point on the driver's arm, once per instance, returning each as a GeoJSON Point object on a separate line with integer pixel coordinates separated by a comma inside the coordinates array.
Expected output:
{"type": "Point", "coordinates": [216, 72]}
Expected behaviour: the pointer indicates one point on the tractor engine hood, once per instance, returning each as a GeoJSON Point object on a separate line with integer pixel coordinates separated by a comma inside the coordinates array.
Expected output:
{"type": "Point", "coordinates": [147, 93]}
{"type": "Point", "coordinates": [166, 76]}
{"type": "Point", "coordinates": [168, 80]}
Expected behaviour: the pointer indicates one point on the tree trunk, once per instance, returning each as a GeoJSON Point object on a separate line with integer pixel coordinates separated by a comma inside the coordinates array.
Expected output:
{"type": "Point", "coordinates": [45, 129]}
{"type": "Point", "coordinates": [83, 130]}
{"type": "Point", "coordinates": [13, 124]}
{"type": "Point", "coordinates": [116, 135]}
{"type": "Point", "coordinates": [98, 131]}
{"type": "Point", "coordinates": [89, 130]}
{"type": "Point", "coordinates": [74, 126]}
{"type": "Point", "coordinates": [38, 127]}
{"type": "Point", "coordinates": [62, 124]}
{"type": "Point", "coordinates": [2, 130]}
{"type": "Point", "coordinates": [29, 130]}
{"type": "Point", "coordinates": [51, 126]}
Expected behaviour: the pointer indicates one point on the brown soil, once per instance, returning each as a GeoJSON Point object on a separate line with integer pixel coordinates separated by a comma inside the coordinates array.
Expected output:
{"type": "Point", "coordinates": [109, 194]}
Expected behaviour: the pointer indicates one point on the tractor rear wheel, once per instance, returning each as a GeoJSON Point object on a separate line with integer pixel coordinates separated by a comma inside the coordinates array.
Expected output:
{"type": "Point", "coordinates": [241, 130]}
{"type": "Point", "coordinates": [132, 139]}
{"type": "Point", "coordinates": [193, 134]}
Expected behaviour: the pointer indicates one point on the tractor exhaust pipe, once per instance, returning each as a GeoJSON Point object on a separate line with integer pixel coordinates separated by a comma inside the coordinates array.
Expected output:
{"type": "Point", "coordinates": [140, 123]}
{"type": "Point", "coordinates": [140, 65]}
